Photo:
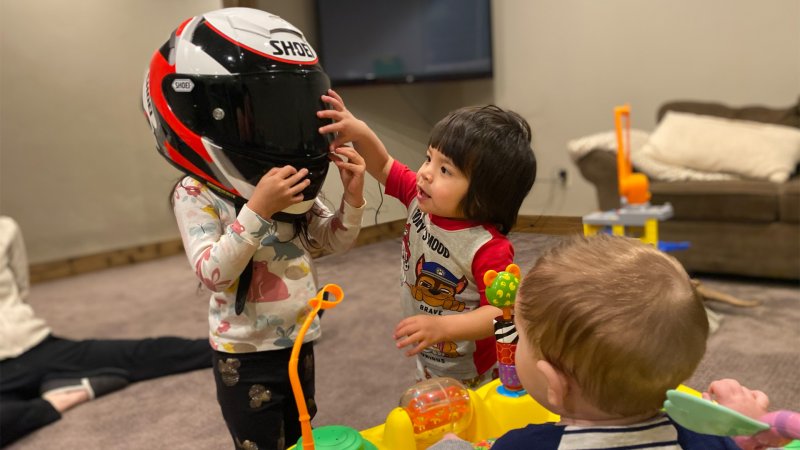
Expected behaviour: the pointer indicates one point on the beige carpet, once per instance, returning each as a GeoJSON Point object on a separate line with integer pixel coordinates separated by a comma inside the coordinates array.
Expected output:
{"type": "Point", "coordinates": [360, 374]}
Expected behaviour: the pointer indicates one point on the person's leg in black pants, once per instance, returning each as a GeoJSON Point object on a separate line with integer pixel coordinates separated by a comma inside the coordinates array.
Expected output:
{"type": "Point", "coordinates": [256, 398]}
{"type": "Point", "coordinates": [20, 378]}
{"type": "Point", "coordinates": [21, 417]}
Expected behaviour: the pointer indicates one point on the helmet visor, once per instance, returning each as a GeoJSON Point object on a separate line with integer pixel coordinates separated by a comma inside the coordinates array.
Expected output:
{"type": "Point", "coordinates": [269, 116]}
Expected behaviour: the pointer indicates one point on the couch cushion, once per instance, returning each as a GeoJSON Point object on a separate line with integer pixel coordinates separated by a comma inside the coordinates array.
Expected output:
{"type": "Point", "coordinates": [781, 116]}
{"type": "Point", "coordinates": [789, 209]}
{"type": "Point", "coordinates": [719, 201]}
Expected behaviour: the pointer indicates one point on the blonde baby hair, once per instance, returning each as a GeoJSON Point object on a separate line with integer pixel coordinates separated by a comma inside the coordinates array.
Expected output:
{"type": "Point", "coordinates": [619, 317]}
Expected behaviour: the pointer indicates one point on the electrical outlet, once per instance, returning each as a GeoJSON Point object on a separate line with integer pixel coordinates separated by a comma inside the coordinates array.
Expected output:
{"type": "Point", "coordinates": [562, 177]}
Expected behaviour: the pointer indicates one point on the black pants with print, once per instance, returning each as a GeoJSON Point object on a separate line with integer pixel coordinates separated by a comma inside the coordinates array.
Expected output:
{"type": "Point", "coordinates": [255, 395]}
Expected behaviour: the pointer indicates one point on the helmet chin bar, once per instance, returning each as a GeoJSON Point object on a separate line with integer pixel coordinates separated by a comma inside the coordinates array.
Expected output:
{"type": "Point", "coordinates": [234, 178]}
{"type": "Point", "coordinates": [299, 208]}
{"type": "Point", "coordinates": [230, 174]}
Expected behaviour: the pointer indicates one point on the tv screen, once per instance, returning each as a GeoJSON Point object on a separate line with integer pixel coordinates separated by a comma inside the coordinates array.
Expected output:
{"type": "Point", "coordinates": [391, 41]}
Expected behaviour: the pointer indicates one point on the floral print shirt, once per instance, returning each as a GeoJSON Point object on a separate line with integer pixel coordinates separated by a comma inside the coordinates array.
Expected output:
{"type": "Point", "coordinates": [219, 244]}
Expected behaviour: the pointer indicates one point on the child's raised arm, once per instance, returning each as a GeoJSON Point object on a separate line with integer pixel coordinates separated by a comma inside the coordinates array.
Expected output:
{"type": "Point", "coordinates": [339, 230]}
{"type": "Point", "coordinates": [347, 128]}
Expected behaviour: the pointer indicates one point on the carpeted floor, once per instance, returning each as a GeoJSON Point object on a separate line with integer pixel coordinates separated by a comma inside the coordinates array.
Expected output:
{"type": "Point", "coordinates": [360, 374]}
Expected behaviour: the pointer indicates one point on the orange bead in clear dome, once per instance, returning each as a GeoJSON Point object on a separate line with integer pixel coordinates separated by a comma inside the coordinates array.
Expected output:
{"type": "Point", "coordinates": [437, 406]}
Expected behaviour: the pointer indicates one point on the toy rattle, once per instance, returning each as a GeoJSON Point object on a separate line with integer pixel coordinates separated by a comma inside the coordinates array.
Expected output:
{"type": "Point", "coordinates": [437, 406]}
{"type": "Point", "coordinates": [501, 291]}
{"type": "Point", "coordinates": [775, 429]}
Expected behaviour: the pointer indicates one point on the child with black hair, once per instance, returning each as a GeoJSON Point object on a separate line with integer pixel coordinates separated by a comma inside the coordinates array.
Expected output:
{"type": "Point", "coordinates": [237, 116]}
{"type": "Point", "coordinates": [461, 204]}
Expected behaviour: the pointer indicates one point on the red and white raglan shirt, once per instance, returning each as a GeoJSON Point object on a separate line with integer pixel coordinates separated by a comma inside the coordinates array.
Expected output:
{"type": "Point", "coordinates": [443, 262]}
{"type": "Point", "coordinates": [219, 244]}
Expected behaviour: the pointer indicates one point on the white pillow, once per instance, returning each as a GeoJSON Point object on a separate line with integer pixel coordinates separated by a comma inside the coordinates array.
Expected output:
{"type": "Point", "coordinates": [644, 161]}
{"type": "Point", "coordinates": [714, 144]}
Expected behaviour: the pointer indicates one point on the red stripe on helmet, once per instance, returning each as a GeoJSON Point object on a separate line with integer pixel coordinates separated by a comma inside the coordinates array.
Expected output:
{"type": "Point", "coordinates": [180, 28]}
{"type": "Point", "coordinates": [183, 162]}
{"type": "Point", "coordinates": [159, 68]}
{"type": "Point", "coordinates": [266, 55]}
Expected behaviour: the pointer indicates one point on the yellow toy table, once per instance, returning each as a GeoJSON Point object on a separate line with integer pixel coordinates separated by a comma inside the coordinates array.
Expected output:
{"type": "Point", "coordinates": [488, 414]}
{"type": "Point", "coordinates": [493, 414]}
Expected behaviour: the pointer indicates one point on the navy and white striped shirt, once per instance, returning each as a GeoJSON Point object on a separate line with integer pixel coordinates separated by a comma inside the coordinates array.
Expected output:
{"type": "Point", "coordinates": [658, 433]}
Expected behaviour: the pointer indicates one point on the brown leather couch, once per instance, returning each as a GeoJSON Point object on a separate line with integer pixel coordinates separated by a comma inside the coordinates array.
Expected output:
{"type": "Point", "coordinates": [740, 227]}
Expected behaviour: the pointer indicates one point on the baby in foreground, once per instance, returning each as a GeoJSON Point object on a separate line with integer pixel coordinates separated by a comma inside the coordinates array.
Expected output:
{"type": "Point", "coordinates": [606, 326]}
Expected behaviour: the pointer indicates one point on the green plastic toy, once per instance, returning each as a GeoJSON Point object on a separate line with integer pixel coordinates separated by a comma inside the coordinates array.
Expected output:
{"type": "Point", "coordinates": [704, 416]}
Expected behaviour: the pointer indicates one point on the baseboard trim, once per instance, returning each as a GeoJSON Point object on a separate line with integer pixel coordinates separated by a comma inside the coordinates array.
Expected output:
{"type": "Point", "coordinates": [554, 225]}
{"type": "Point", "coordinates": [103, 260]}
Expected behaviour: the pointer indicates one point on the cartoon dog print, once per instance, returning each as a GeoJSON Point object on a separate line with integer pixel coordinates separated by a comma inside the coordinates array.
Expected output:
{"type": "Point", "coordinates": [437, 286]}
{"type": "Point", "coordinates": [447, 349]}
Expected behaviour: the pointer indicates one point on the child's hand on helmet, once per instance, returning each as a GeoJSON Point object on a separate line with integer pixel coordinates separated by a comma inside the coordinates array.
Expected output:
{"type": "Point", "coordinates": [346, 127]}
{"type": "Point", "coordinates": [278, 189]}
{"type": "Point", "coordinates": [351, 169]}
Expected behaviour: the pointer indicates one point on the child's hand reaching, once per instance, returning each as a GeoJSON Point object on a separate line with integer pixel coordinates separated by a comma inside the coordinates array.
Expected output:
{"type": "Point", "coordinates": [346, 127]}
{"type": "Point", "coordinates": [351, 169]}
{"type": "Point", "coordinates": [277, 190]}
{"type": "Point", "coordinates": [784, 425]}
{"type": "Point", "coordinates": [419, 331]}
{"type": "Point", "coordinates": [733, 395]}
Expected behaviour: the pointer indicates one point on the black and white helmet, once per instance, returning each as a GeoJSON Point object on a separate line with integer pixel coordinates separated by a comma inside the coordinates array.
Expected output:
{"type": "Point", "coordinates": [234, 93]}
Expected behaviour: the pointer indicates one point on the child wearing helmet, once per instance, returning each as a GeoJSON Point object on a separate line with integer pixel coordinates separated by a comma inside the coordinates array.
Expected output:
{"type": "Point", "coordinates": [231, 99]}
{"type": "Point", "coordinates": [461, 204]}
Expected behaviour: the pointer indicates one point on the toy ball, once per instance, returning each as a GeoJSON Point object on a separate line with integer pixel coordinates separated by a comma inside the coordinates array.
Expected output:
{"type": "Point", "coordinates": [501, 287]}
{"type": "Point", "coordinates": [437, 406]}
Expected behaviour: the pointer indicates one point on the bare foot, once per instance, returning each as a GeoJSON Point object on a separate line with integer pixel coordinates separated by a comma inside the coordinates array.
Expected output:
{"type": "Point", "coordinates": [65, 400]}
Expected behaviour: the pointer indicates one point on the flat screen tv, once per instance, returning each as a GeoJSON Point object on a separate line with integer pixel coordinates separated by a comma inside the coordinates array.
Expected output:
{"type": "Point", "coordinates": [404, 41]}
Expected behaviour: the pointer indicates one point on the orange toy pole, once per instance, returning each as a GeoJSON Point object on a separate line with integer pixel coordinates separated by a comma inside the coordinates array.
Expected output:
{"type": "Point", "coordinates": [316, 303]}
{"type": "Point", "coordinates": [634, 188]}
{"type": "Point", "coordinates": [622, 123]}
{"type": "Point", "coordinates": [508, 311]}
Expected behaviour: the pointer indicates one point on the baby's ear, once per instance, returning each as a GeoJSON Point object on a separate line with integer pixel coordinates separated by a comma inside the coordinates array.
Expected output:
{"type": "Point", "coordinates": [557, 384]}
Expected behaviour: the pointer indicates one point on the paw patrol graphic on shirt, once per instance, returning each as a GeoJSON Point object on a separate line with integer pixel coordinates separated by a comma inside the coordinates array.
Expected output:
{"type": "Point", "coordinates": [437, 287]}
{"type": "Point", "coordinates": [448, 349]}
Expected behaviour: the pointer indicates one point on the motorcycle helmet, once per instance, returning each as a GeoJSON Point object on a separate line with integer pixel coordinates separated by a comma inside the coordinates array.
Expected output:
{"type": "Point", "coordinates": [234, 93]}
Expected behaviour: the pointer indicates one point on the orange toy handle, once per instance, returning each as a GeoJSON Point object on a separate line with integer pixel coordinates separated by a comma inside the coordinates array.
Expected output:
{"type": "Point", "coordinates": [634, 188]}
{"type": "Point", "coordinates": [622, 124]}
{"type": "Point", "coordinates": [319, 302]}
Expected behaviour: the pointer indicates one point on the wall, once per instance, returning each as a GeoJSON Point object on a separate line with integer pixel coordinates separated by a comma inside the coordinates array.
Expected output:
{"type": "Point", "coordinates": [564, 65]}
{"type": "Point", "coordinates": [78, 168]}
